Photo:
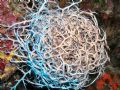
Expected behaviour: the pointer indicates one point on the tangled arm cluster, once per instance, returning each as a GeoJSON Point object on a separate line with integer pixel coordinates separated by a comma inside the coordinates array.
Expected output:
{"type": "Point", "coordinates": [60, 48]}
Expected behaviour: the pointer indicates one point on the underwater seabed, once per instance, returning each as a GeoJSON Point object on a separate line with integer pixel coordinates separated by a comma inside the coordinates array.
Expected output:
{"type": "Point", "coordinates": [59, 45]}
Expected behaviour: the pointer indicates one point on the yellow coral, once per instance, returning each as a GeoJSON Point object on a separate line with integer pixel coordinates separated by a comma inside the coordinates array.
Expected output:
{"type": "Point", "coordinates": [7, 72]}
{"type": "Point", "coordinates": [9, 69]}
{"type": "Point", "coordinates": [7, 57]}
